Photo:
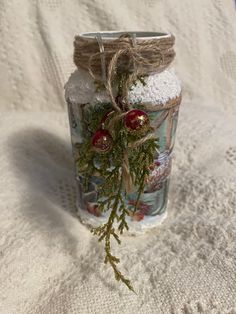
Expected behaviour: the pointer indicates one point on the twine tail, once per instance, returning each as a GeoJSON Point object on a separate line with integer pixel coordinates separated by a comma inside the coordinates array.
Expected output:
{"type": "Point", "coordinates": [127, 180]}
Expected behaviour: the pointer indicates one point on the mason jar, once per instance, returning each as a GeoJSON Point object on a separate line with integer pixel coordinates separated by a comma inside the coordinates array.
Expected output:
{"type": "Point", "coordinates": [160, 96]}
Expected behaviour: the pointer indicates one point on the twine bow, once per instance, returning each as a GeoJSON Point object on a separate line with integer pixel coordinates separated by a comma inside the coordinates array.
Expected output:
{"type": "Point", "coordinates": [103, 58]}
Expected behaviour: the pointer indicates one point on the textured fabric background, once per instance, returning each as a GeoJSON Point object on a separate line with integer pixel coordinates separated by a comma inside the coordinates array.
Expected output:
{"type": "Point", "coordinates": [49, 262]}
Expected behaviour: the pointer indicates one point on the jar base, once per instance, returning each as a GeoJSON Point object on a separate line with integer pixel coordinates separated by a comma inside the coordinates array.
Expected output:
{"type": "Point", "coordinates": [135, 227]}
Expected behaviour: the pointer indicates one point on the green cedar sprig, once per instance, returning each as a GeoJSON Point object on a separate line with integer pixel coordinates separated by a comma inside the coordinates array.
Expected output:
{"type": "Point", "coordinates": [111, 194]}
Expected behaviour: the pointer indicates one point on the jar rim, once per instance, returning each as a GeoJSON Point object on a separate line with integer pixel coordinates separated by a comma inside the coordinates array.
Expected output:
{"type": "Point", "coordinates": [111, 35]}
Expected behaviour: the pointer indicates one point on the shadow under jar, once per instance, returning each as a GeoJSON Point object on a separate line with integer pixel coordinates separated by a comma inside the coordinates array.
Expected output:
{"type": "Point", "coordinates": [158, 94]}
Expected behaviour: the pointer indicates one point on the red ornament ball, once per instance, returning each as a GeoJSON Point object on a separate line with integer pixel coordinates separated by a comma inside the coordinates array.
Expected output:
{"type": "Point", "coordinates": [102, 141]}
{"type": "Point", "coordinates": [136, 120]}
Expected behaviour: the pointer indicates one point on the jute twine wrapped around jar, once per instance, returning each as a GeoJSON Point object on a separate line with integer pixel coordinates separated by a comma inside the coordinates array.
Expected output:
{"type": "Point", "coordinates": [103, 59]}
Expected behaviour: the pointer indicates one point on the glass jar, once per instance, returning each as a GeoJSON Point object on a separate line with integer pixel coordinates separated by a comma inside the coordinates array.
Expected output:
{"type": "Point", "coordinates": [160, 96]}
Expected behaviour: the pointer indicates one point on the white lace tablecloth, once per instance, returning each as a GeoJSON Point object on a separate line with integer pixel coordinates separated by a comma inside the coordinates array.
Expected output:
{"type": "Point", "coordinates": [49, 262]}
